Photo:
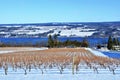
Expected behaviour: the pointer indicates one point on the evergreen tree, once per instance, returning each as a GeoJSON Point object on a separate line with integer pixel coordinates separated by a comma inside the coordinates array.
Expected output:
{"type": "Point", "coordinates": [110, 43]}
{"type": "Point", "coordinates": [68, 42]}
{"type": "Point", "coordinates": [50, 41]}
{"type": "Point", "coordinates": [118, 42]}
{"type": "Point", "coordinates": [115, 41]}
{"type": "Point", "coordinates": [55, 40]}
{"type": "Point", "coordinates": [55, 37]}
{"type": "Point", "coordinates": [84, 43]}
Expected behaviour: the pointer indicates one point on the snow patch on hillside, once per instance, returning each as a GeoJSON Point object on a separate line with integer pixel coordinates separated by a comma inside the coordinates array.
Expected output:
{"type": "Point", "coordinates": [8, 51]}
{"type": "Point", "coordinates": [73, 32]}
{"type": "Point", "coordinates": [26, 49]}
{"type": "Point", "coordinates": [95, 52]}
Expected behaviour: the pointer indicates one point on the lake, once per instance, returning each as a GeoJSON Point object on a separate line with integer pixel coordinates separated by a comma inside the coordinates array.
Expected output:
{"type": "Point", "coordinates": [92, 41]}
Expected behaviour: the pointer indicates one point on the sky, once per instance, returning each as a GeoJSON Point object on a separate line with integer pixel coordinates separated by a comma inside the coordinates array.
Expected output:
{"type": "Point", "coordinates": [43, 11]}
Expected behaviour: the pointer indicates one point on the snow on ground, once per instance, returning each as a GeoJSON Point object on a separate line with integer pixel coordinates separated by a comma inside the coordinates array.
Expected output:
{"type": "Point", "coordinates": [75, 32]}
{"type": "Point", "coordinates": [30, 32]}
{"type": "Point", "coordinates": [84, 74]}
{"type": "Point", "coordinates": [118, 29]}
{"type": "Point", "coordinates": [8, 51]}
{"type": "Point", "coordinates": [61, 30]}
{"type": "Point", "coordinates": [105, 53]}
{"type": "Point", "coordinates": [60, 77]}
{"type": "Point", "coordinates": [21, 49]}
{"type": "Point", "coordinates": [104, 49]}
{"type": "Point", "coordinates": [54, 74]}
{"type": "Point", "coordinates": [55, 32]}
{"type": "Point", "coordinates": [37, 32]}
{"type": "Point", "coordinates": [95, 52]}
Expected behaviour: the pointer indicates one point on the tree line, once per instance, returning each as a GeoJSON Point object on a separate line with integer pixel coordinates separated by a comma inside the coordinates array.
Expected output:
{"type": "Point", "coordinates": [54, 42]}
{"type": "Point", "coordinates": [24, 44]}
{"type": "Point", "coordinates": [112, 42]}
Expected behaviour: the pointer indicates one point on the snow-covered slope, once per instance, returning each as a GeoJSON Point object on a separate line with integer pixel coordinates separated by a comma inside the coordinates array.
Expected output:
{"type": "Point", "coordinates": [95, 52]}
{"type": "Point", "coordinates": [81, 32]}
{"type": "Point", "coordinates": [74, 32]}
{"type": "Point", "coordinates": [44, 31]}
{"type": "Point", "coordinates": [62, 29]}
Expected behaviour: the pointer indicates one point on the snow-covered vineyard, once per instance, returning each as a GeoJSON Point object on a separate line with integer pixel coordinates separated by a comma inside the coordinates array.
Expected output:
{"type": "Point", "coordinates": [57, 63]}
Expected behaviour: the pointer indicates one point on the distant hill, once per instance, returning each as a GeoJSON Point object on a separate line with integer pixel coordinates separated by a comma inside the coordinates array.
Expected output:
{"type": "Point", "coordinates": [65, 29]}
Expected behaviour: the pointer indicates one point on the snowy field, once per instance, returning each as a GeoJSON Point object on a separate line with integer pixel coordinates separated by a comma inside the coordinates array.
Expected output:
{"type": "Point", "coordinates": [95, 52]}
{"type": "Point", "coordinates": [14, 49]}
{"type": "Point", "coordinates": [105, 53]}
{"type": "Point", "coordinates": [84, 72]}
{"type": "Point", "coordinates": [73, 32]}
{"type": "Point", "coordinates": [49, 30]}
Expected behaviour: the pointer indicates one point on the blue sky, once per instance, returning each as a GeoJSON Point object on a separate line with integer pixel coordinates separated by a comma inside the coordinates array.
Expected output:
{"type": "Point", "coordinates": [42, 11]}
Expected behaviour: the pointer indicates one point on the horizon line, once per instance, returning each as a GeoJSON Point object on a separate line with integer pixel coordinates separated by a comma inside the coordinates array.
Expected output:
{"type": "Point", "coordinates": [58, 22]}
